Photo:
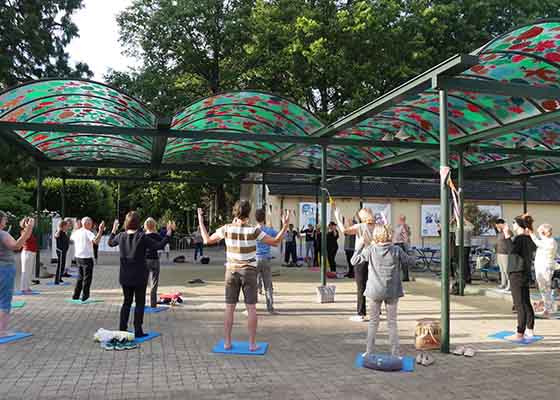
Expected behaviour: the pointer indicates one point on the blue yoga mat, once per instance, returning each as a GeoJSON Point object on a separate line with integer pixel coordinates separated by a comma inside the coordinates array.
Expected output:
{"type": "Point", "coordinates": [20, 293]}
{"type": "Point", "coordinates": [88, 301]}
{"type": "Point", "coordinates": [503, 334]}
{"type": "Point", "coordinates": [16, 336]}
{"type": "Point", "coordinates": [240, 348]}
{"type": "Point", "coordinates": [408, 363]}
{"type": "Point", "coordinates": [151, 335]}
{"type": "Point", "coordinates": [153, 310]}
{"type": "Point", "coordinates": [60, 284]}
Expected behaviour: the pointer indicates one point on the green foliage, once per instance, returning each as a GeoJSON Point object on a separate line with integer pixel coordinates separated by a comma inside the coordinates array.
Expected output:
{"type": "Point", "coordinates": [82, 198]}
{"type": "Point", "coordinates": [15, 200]}
{"type": "Point", "coordinates": [481, 220]}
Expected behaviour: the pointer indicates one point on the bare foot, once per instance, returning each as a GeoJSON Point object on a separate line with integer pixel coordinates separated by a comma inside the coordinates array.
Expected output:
{"type": "Point", "coordinates": [254, 347]}
{"type": "Point", "coordinates": [518, 337]}
{"type": "Point", "coordinates": [227, 346]}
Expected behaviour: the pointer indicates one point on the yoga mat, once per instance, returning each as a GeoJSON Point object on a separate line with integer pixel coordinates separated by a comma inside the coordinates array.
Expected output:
{"type": "Point", "coordinates": [407, 366]}
{"type": "Point", "coordinates": [154, 310]}
{"type": "Point", "coordinates": [88, 301]}
{"type": "Point", "coordinates": [503, 334]}
{"type": "Point", "coordinates": [20, 293]}
{"type": "Point", "coordinates": [18, 304]}
{"type": "Point", "coordinates": [60, 284]}
{"type": "Point", "coordinates": [240, 348]}
{"type": "Point", "coordinates": [552, 316]}
{"type": "Point", "coordinates": [151, 335]}
{"type": "Point", "coordinates": [16, 336]}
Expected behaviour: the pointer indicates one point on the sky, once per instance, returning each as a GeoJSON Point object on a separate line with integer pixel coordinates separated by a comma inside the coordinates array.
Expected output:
{"type": "Point", "coordinates": [98, 44]}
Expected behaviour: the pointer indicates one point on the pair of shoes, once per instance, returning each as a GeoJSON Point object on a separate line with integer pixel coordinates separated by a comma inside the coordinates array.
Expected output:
{"type": "Point", "coordinates": [424, 359]}
{"type": "Point", "coordinates": [466, 351]}
{"type": "Point", "coordinates": [273, 312]}
{"type": "Point", "coordinates": [357, 318]}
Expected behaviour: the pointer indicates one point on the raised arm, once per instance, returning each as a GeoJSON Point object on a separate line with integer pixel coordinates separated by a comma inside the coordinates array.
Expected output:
{"type": "Point", "coordinates": [15, 245]}
{"type": "Point", "coordinates": [208, 239]}
{"type": "Point", "coordinates": [278, 239]}
{"type": "Point", "coordinates": [159, 244]}
{"type": "Point", "coordinates": [113, 238]}
{"type": "Point", "coordinates": [100, 231]}
{"type": "Point", "coordinates": [347, 230]}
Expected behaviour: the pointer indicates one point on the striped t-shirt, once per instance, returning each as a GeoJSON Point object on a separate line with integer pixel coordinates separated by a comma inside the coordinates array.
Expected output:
{"type": "Point", "coordinates": [241, 244]}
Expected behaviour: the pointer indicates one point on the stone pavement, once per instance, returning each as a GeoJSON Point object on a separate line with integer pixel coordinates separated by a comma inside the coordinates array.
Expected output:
{"type": "Point", "coordinates": [312, 346]}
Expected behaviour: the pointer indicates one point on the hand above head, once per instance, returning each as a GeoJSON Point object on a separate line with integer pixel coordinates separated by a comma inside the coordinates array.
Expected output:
{"type": "Point", "coordinates": [171, 227]}
{"type": "Point", "coordinates": [29, 223]}
{"type": "Point", "coordinates": [337, 214]}
{"type": "Point", "coordinates": [286, 218]}
{"type": "Point", "coordinates": [101, 227]}
{"type": "Point", "coordinates": [200, 213]}
{"type": "Point", "coordinates": [115, 226]}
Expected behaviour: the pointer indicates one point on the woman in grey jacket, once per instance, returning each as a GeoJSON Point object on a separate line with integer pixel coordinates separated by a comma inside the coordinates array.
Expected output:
{"type": "Point", "coordinates": [383, 284]}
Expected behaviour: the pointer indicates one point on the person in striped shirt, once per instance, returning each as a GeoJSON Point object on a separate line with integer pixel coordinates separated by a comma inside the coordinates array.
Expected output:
{"type": "Point", "coordinates": [241, 265]}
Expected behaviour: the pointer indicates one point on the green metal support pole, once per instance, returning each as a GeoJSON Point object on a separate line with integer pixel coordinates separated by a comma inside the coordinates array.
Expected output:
{"type": "Point", "coordinates": [444, 220]}
{"type": "Point", "coordinates": [524, 196]}
{"type": "Point", "coordinates": [324, 216]}
{"type": "Point", "coordinates": [461, 227]}
{"type": "Point", "coordinates": [317, 190]}
{"type": "Point", "coordinates": [38, 222]}
{"type": "Point", "coordinates": [361, 192]}
{"type": "Point", "coordinates": [263, 192]}
{"type": "Point", "coordinates": [63, 199]}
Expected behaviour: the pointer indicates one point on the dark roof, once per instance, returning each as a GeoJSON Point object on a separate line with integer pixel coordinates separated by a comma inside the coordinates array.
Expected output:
{"type": "Point", "coordinates": [538, 189]}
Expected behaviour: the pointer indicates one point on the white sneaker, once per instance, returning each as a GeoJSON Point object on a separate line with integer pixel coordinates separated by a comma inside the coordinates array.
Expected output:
{"type": "Point", "coordinates": [357, 318]}
{"type": "Point", "coordinates": [529, 333]}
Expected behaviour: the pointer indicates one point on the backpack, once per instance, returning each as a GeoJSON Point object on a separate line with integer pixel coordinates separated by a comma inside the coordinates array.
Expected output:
{"type": "Point", "coordinates": [179, 259]}
{"type": "Point", "coordinates": [204, 260]}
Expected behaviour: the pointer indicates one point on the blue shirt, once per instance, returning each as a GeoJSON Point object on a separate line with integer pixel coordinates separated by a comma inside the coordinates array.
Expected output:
{"type": "Point", "coordinates": [263, 249]}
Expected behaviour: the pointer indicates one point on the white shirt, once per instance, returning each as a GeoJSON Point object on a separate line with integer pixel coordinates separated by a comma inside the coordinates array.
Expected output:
{"type": "Point", "coordinates": [83, 243]}
{"type": "Point", "coordinates": [546, 253]}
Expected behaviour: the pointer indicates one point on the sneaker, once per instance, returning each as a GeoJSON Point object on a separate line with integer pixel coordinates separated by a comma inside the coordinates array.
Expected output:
{"type": "Point", "coordinates": [129, 345]}
{"type": "Point", "coordinates": [120, 346]}
{"type": "Point", "coordinates": [357, 318]}
{"type": "Point", "coordinates": [530, 333]}
{"type": "Point", "coordinates": [109, 345]}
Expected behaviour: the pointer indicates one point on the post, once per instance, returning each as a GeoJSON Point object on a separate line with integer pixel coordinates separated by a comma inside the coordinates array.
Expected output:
{"type": "Point", "coordinates": [63, 199]}
{"type": "Point", "coordinates": [263, 192]}
{"type": "Point", "coordinates": [361, 192]}
{"type": "Point", "coordinates": [317, 189]}
{"type": "Point", "coordinates": [444, 220]}
{"type": "Point", "coordinates": [461, 227]}
{"type": "Point", "coordinates": [38, 222]}
{"type": "Point", "coordinates": [324, 216]}
{"type": "Point", "coordinates": [524, 196]}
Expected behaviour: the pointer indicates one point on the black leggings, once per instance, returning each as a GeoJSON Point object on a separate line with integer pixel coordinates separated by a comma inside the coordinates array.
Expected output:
{"type": "Point", "coordinates": [139, 294]}
{"type": "Point", "coordinates": [349, 254]}
{"type": "Point", "coordinates": [331, 255]}
{"type": "Point", "coordinates": [60, 265]}
{"type": "Point", "coordinates": [361, 277]}
{"type": "Point", "coordinates": [522, 301]}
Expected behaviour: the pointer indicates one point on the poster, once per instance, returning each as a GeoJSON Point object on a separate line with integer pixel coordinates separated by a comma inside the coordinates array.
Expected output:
{"type": "Point", "coordinates": [489, 214]}
{"type": "Point", "coordinates": [430, 217]}
{"type": "Point", "coordinates": [381, 212]}
{"type": "Point", "coordinates": [307, 214]}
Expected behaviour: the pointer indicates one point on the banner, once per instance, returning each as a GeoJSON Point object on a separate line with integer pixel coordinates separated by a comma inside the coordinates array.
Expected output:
{"type": "Point", "coordinates": [381, 212]}
{"type": "Point", "coordinates": [307, 214]}
{"type": "Point", "coordinates": [430, 218]}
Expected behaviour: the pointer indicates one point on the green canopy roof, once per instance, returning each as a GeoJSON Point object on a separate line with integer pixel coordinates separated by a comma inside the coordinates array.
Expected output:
{"type": "Point", "coordinates": [503, 99]}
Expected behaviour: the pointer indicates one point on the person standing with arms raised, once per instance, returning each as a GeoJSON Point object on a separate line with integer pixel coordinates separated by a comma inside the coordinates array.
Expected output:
{"type": "Point", "coordinates": [83, 239]}
{"type": "Point", "coordinates": [241, 265]}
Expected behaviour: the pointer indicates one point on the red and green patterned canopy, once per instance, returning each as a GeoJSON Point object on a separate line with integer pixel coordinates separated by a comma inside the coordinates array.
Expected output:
{"type": "Point", "coordinates": [529, 55]}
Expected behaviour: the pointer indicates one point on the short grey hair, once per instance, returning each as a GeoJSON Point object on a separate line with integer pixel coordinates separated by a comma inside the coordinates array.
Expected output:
{"type": "Point", "coordinates": [86, 220]}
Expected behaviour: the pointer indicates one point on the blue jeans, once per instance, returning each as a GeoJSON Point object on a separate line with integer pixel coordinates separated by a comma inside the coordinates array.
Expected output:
{"type": "Point", "coordinates": [7, 279]}
{"type": "Point", "coordinates": [198, 250]}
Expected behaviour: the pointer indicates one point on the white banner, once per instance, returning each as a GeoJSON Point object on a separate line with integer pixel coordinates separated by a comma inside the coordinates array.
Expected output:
{"type": "Point", "coordinates": [307, 214]}
{"type": "Point", "coordinates": [430, 214]}
{"type": "Point", "coordinates": [382, 212]}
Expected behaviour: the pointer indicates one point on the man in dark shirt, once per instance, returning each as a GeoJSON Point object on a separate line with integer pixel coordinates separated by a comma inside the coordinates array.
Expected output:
{"type": "Point", "coordinates": [309, 241]}
{"type": "Point", "coordinates": [332, 245]}
{"type": "Point", "coordinates": [290, 249]}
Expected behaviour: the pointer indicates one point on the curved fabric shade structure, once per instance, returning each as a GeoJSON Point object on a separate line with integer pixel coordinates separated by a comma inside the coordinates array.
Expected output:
{"type": "Point", "coordinates": [529, 55]}
{"type": "Point", "coordinates": [67, 101]}
{"type": "Point", "coordinates": [238, 112]}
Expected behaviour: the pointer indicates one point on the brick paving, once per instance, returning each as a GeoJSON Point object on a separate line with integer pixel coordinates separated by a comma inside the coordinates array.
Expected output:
{"type": "Point", "coordinates": [312, 346]}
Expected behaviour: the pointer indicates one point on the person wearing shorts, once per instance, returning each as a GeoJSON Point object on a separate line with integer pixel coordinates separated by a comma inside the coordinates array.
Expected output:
{"type": "Point", "coordinates": [8, 268]}
{"type": "Point", "coordinates": [241, 265]}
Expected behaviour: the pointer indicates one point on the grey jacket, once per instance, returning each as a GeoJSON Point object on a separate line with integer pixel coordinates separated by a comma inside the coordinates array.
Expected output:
{"type": "Point", "coordinates": [384, 270]}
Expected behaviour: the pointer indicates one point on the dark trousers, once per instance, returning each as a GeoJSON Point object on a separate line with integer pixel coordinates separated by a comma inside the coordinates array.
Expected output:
{"type": "Point", "coordinates": [85, 276]}
{"type": "Point", "coordinates": [95, 251]}
{"type": "Point", "coordinates": [404, 267]}
{"type": "Point", "coordinates": [349, 254]}
{"type": "Point", "coordinates": [290, 251]}
{"type": "Point", "coordinates": [331, 256]}
{"type": "Point", "coordinates": [361, 276]}
{"type": "Point", "coordinates": [522, 301]}
{"type": "Point", "coordinates": [153, 268]}
{"type": "Point", "coordinates": [137, 293]}
{"type": "Point", "coordinates": [317, 259]}
{"type": "Point", "coordinates": [198, 250]}
{"type": "Point", "coordinates": [467, 265]}
{"type": "Point", "coordinates": [60, 265]}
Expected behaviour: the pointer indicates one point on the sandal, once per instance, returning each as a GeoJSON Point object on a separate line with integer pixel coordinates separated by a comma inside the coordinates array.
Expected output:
{"type": "Point", "coordinates": [469, 352]}
{"type": "Point", "coordinates": [459, 351]}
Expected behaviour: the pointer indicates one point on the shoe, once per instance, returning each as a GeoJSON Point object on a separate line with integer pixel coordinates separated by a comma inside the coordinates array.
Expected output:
{"type": "Point", "coordinates": [469, 352]}
{"type": "Point", "coordinates": [529, 333]}
{"type": "Point", "coordinates": [273, 312]}
{"type": "Point", "coordinates": [61, 281]}
{"type": "Point", "coordinates": [35, 281]}
{"type": "Point", "coordinates": [357, 318]}
{"type": "Point", "coordinates": [85, 299]}
{"type": "Point", "coordinates": [459, 351]}
{"type": "Point", "coordinates": [427, 360]}
{"type": "Point", "coordinates": [110, 345]}
{"type": "Point", "coordinates": [129, 345]}
{"type": "Point", "coordinates": [140, 335]}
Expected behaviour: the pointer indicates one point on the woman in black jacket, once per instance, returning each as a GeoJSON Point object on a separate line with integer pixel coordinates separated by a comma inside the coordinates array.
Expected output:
{"type": "Point", "coordinates": [133, 274]}
{"type": "Point", "coordinates": [519, 272]}
{"type": "Point", "coordinates": [62, 245]}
